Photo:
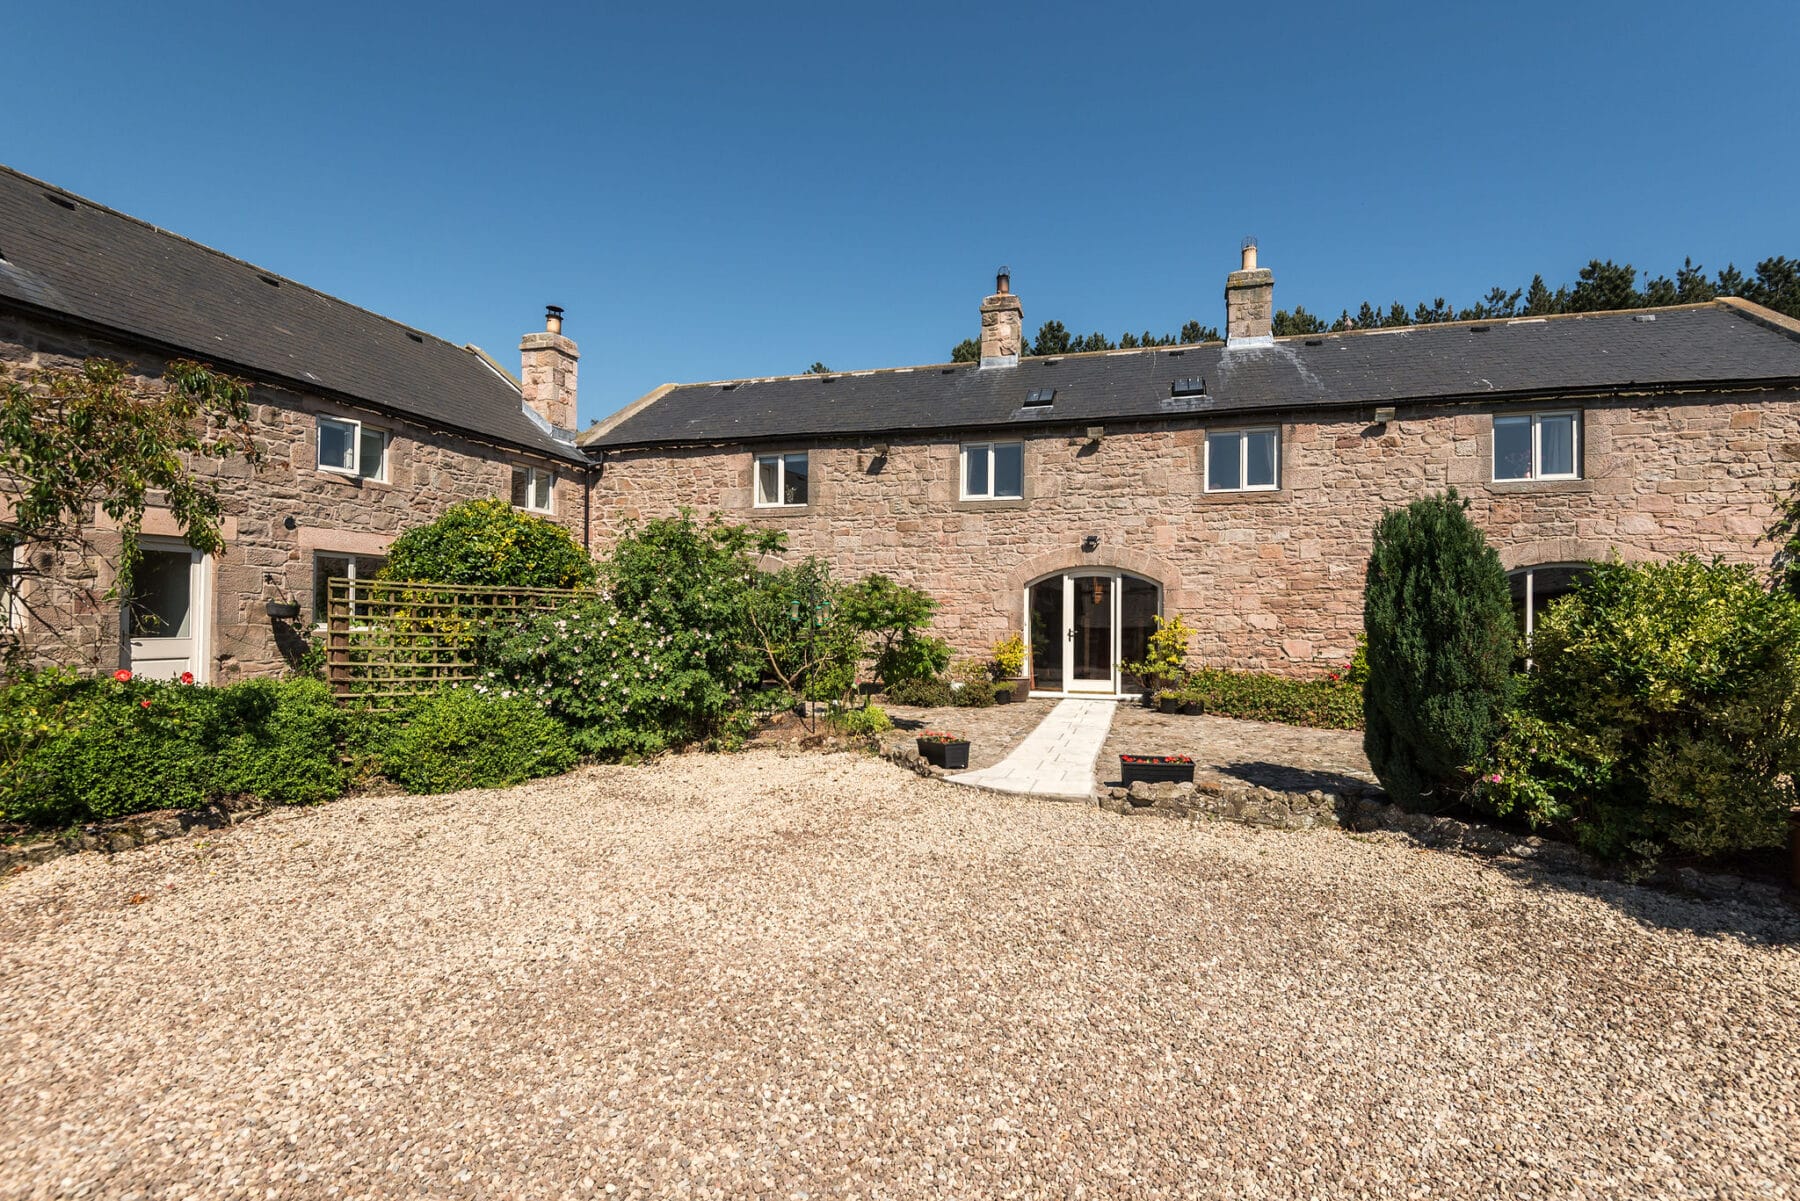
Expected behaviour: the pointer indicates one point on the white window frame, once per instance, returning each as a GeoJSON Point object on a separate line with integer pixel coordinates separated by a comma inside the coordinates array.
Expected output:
{"type": "Point", "coordinates": [987, 448]}
{"type": "Point", "coordinates": [532, 475]}
{"type": "Point", "coordinates": [780, 458]}
{"type": "Point", "coordinates": [355, 470]}
{"type": "Point", "coordinates": [1537, 447]}
{"type": "Point", "coordinates": [320, 616]}
{"type": "Point", "coordinates": [1243, 441]}
{"type": "Point", "coordinates": [12, 599]}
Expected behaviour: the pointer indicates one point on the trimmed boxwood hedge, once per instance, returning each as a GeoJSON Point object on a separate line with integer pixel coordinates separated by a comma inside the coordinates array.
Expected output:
{"type": "Point", "coordinates": [1253, 696]}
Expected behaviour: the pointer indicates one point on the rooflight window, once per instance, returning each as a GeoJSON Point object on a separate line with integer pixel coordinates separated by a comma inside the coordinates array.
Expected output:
{"type": "Point", "coordinates": [1193, 385]}
{"type": "Point", "coordinates": [1038, 397]}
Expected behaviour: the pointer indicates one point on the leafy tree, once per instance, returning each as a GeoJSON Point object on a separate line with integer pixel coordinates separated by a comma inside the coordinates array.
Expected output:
{"type": "Point", "coordinates": [1441, 639]}
{"type": "Point", "coordinates": [76, 440]}
{"type": "Point", "coordinates": [488, 542]}
{"type": "Point", "coordinates": [892, 619]}
{"type": "Point", "coordinates": [794, 616]}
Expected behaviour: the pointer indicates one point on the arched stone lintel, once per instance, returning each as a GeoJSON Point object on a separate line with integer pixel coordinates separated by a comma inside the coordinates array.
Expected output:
{"type": "Point", "coordinates": [1136, 562]}
{"type": "Point", "coordinates": [1567, 550]}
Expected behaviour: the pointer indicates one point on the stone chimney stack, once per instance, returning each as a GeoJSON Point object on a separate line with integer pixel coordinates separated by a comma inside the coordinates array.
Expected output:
{"type": "Point", "coordinates": [1250, 302]}
{"type": "Point", "coordinates": [1002, 324]}
{"type": "Point", "coordinates": [547, 372]}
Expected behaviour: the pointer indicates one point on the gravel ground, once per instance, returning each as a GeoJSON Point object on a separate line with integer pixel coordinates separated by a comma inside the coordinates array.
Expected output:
{"type": "Point", "coordinates": [1287, 758]}
{"type": "Point", "coordinates": [793, 976]}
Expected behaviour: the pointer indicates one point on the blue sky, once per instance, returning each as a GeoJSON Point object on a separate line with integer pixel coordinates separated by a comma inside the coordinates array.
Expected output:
{"type": "Point", "coordinates": [735, 190]}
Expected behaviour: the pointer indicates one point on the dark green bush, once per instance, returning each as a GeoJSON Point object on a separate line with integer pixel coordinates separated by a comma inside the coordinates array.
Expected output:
{"type": "Point", "coordinates": [931, 693]}
{"type": "Point", "coordinates": [462, 738]}
{"type": "Point", "coordinates": [1441, 648]}
{"type": "Point", "coordinates": [1660, 713]}
{"type": "Point", "coordinates": [488, 542]}
{"type": "Point", "coordinates": [1330, 704]}
{"type": "Point", "coordinates": [974, 694]}
{"type": "Point", "coordinates": [75, 749]}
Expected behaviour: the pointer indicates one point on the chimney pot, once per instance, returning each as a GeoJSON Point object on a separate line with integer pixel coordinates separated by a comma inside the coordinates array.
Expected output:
{"type": "Point", "coordinates": [1249, 254]}
{"type": "Point", "coordinates": [1003, 281]}
{"type": "Point", "coordinates": [553, 318]}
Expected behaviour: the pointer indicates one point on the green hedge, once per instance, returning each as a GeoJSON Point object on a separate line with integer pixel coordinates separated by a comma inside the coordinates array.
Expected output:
{"type": "Point", "coordinates": [1252, 696]}
{"type": "Point", "coordinates": [76, 749]}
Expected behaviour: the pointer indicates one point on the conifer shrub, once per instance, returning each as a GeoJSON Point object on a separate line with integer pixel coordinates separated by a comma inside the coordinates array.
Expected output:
{"type": "Point", "coordinates": [1441, 648]}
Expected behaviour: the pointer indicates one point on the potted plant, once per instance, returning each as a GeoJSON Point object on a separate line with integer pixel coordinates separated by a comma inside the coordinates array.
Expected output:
{"type": "Point", "coordinates": [1007, 667]}
{"type": "Point", "coordinates": [1168, 702]}
{"type": "Point", "coordinates": [1192, 705]}
{"type": "Point", "coordinates": [944, 750]}
{"type": "Point", "coordinates": [1165, 657]}
{"type": "Point", "coordinates": [1156, 769]}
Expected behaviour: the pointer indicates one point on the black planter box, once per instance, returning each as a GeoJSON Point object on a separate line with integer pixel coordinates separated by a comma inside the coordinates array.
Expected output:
{"type": "Point", "coordinates": [945, 754]}
{"type": "Point", "coordinates": [1193, 708]}
{"type": "Point", "coordinates": [1168, 704]}
{"type": "Point", "coordinates": [283, 610]}
{"type": "Point", "coordinates": [1156, 773]}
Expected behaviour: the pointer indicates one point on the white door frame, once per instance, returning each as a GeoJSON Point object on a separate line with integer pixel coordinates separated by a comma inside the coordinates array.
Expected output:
{"type": "Point", "coordinates": [1113, 685]}
{"type": "Point", "coordinates": [199, 608]}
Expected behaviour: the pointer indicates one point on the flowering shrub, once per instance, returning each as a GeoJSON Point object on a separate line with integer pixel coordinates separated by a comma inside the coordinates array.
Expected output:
{"type": "Point", "coordinates": [940, 736]}
{"type": "Point", "coordinates": [460, 738]}
{"type": "Point", "coordinates": [1659, 714]}
{"type": "Point", "coordinates": [624, 688]}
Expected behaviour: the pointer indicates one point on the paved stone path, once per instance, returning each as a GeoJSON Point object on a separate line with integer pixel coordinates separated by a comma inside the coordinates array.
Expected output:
{"type": "Point", "coordinates": [1057, 758]}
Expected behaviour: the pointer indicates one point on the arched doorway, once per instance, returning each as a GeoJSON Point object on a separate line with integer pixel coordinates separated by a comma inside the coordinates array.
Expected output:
{"type": "Point", "coordinates": [1080, 625]}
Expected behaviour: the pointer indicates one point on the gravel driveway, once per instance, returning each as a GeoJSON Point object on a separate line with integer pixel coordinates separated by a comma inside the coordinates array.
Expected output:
{"type": "Point", "coordinates": [765, 975]}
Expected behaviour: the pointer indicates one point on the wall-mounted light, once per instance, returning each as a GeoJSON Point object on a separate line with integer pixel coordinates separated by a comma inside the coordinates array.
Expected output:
{"type": "Point", "coordinates": [1096, 432]}
{"type": "Point", "coordinates": [1091, 543]}
{"type": "Point", "coordinates": [1384, 415]}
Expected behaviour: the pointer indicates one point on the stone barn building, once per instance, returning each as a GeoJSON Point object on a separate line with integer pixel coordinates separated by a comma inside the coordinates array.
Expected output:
{"type": "Point", "coordinates": [1237, 484]}
{"type": "Point", "coordinates": [369, 427]}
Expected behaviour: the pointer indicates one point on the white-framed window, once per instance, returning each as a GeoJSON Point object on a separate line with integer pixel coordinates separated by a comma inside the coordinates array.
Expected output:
{"type": "Point", "coordinates": [781, 480]}
{"type": "Point", "coordinates": [1243, 460]}
{"type": "Point", "coordinates": [993, 470]}
{"type": "Point", "coordinates": [348, 447]}
{"type": "Point", "coordinates": [534, 489]}
{"type": "Point", "coordinates": [1537, 446]}
{"type": "Point", "coordinates": [12, 581]}
{"type": "Point", "coordinates": [331, 565]}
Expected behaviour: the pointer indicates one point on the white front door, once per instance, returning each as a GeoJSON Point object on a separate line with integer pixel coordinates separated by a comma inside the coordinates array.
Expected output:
{"type": "Point", "coordinates": [166, 617]}
{"type": "Point", "coordinates": [1091, 644]}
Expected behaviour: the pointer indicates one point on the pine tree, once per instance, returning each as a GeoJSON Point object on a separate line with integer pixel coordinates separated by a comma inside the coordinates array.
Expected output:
{"type": "Point", "coordinates": [1438, 616]}
{"type": "Point", "coordinates": [1605, 285]}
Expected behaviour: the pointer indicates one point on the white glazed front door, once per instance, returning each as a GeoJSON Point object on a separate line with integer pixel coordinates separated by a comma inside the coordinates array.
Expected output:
{"type": "Point", "coordinates": [166, 619]}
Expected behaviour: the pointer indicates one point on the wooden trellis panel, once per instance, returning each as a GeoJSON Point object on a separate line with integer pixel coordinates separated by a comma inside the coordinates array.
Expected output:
{"type": "Point", "coordinates": [386, 640]}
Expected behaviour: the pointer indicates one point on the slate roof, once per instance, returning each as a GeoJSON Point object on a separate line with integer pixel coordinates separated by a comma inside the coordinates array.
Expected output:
{"type": "Point", "coordinates": [1718, 344]}
{"type": "Point", "coordinates": [65, 255]}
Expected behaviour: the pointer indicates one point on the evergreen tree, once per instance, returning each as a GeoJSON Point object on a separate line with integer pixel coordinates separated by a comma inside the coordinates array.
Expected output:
{"type": "Point", "coordinates": [1297, 322]}
{"type": "Point", "coordinates": [818, 368]}
{"type": "Point", "coordinates": [1691, 284]}
{"type": "Point", "coordinates": [1605, 285]}
{"type": "Point", "coordinates": [1441, 643]}
{"type": "Point", "coordinates": [966, 351]}
{"type": "Point", "coordinates": [1052, 338]}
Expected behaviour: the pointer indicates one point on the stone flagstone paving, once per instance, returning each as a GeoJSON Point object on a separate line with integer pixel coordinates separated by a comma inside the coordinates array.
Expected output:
{"type": "Point", "coordinates": [1054, 760]}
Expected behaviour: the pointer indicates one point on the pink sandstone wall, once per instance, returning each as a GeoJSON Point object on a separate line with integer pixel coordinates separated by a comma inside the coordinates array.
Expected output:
{"type": "Point", "coordinates": [1273, 581]}
{"type": "Point", "coordinates": [427, 471]}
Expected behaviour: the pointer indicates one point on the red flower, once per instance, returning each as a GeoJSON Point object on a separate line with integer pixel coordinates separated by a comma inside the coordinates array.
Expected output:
{"type": "Point", "coordinates": [144, 704]}
{"type": "Point", "coordinates": [187, 677]}
{"type": "Point", "coordinates": [122, 676]}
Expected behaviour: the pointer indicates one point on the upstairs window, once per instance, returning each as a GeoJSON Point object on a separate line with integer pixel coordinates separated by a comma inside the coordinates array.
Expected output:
{"type": "Point", "coordinates": [533, 489]}
{"type": "Point", "coordinates": [993, 471]}
{"type": "Point", "coordinates": [1537, 446]}
{"type": "Point", "coordinates": [781, 480]}
{"type": "Point", "coordinates": [1243, 461]}
{"type": "Point", "coordinates": [348, 447]}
